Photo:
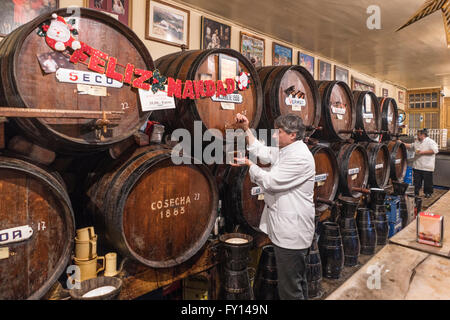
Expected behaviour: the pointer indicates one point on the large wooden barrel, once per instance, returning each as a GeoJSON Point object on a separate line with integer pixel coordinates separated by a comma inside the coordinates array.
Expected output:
{"type": "Point", "coordinates": [327, 176]}
{"type": "Point", "coordinates": [368, 116]}
{"type": "Point", "coordinates": [24, 84]}
{"type": "Point", "coordinates": [242, 200]}
{"type": "Point", "coordinates": [204, 65]}
{"type": "Point", "coordinates": [338, 116]}
{"type": "Point", "coordinates": [389, 116]}
{"type": "Point", "coordinates": [289, 89]}
{"type": "Point", "coordinates": [353, 168]}
{"type": "Point", "coordinates": [151, 210]}
{"type": "Point", "coordinates": [379, 164]}
{"type": "Point", "coordinates": [32, 199]}
{"type": "Point", "coordinates": [399, 161]}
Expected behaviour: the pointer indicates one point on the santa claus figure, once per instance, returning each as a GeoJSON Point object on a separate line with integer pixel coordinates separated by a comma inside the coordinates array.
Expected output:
{"type": "Point", "coordinates": [243, 81]}
{"type": "Point", "coordinates": [59, 35]}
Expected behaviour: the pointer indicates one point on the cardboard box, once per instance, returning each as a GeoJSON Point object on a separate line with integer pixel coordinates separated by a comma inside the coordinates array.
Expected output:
{"type": "Point", "coordinates": [430, 229]}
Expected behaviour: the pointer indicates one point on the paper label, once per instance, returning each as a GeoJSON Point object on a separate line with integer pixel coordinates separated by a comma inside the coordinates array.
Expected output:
{"type": "Point", "coordinates": [229, 98]}
{"type": "Point", "coordinates": [368, 103]}
{"type": "Point", "coordinates": [92, 90]}
{"type": "Point", "coordinates": [340, 116]}
{"type": "Point", "coordinates": [368, 115]}
{"type": "Point", "coordinates": [296, 103]}
{"type": "Point", "coordinates": [260, 196]}
{"type": "Point", "coordinates": [354, 176]}
{"type": "Point", "coordinates": [227, 106]}
{"type": "Point", "coordinates": [17, 234]}
{"type": "Point", "coordinates": [353, 171]}
{"type": "Point", "coordinates": [4, 253]}
{"type": "Point", "coordinates": [84, 77]}
{"type": "Point", "coordinates": [379, 166]}
{"type": "Point", "coordinates": [321, 177]}
{"type": "Point", "coordinates": [255, 191]}
{"type": "Point", "coordinates": [338, 110]}
{"type": "Point", "coordinates": [155, 101]}
{"type": "Point", "coordinates": [397, 161]}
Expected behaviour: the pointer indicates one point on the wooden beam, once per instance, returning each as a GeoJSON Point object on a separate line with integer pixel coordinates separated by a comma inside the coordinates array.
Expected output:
{"type": "Point", "coordinates": [52, 113]}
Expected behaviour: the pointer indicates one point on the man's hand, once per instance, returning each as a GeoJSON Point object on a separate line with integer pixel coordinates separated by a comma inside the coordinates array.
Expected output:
{"type": "Point", "coordinates": [242, 122]}
{"type": "Point", "coordinates": [241, 162]}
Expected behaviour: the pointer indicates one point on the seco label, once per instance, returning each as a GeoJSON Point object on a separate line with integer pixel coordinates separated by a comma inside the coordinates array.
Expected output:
{"type": "Point", "coordinates": [353, 171]}
{"type": "Point", "coordinates": [321, 177]}
{"type": "Point", "coordinates": [17, 234]}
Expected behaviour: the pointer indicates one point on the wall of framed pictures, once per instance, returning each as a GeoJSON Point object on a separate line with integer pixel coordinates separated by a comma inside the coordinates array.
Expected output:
{"type": "Point", "coordinates": [166, 25]}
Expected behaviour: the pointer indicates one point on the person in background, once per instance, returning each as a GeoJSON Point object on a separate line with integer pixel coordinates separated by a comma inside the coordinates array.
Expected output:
{"type": "Point", "coordinates": [424, 160]}
{"type": "Point", "coordinates": [288, 186]}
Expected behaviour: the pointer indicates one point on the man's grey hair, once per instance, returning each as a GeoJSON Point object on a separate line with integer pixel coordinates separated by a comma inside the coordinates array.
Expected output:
{"type": "Point", "coordinates": [291, 123]}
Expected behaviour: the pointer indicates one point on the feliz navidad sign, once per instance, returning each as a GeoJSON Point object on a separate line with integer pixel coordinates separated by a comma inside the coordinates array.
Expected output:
{"type": "Point", "coordinates": [59, 35]}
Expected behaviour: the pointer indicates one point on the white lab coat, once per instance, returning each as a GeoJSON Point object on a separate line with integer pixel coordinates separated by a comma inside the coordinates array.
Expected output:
{"type": "Point", "coordinates": [288, 185]}
{"type": "Point", "coordinates": [425, 162]}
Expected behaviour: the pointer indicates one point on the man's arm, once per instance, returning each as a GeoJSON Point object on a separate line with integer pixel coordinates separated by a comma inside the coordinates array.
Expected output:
{"type": "Point", "coordinates": [287, 175]}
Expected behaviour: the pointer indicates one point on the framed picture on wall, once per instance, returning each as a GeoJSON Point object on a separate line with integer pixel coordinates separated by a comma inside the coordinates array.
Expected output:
{"type": "Point", "coordinates": [341, 74]}
{"type": "Point", "coordinates": [324, 70]}
{"type": "Point", "coordinates": [215, 34]}
{"type": "Point", "coordinates": [15, 13]}
{"type": "Point", "coordinates": [281, 55]}
{"type": "Point", "coordinates": [118, 9]}
{"type": "Point", "coordinates": [361, 85]}
{"type": "Point", "coordinates": [167, 23]}
{"type": "Point", "coordinates": [253, 47]}
{"type": "Point", "coordinates": [307, 62]}
{"type": "Point", "coordinates": [401, 97]}
{"type": "Point", "coordinates": [385, 92]}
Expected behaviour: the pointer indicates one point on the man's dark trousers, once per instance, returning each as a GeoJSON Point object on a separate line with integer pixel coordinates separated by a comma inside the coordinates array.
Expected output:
{"type": "Point", "coordinates": [291, 270]}
{"type": "Point", "coordinates": [427, 178]}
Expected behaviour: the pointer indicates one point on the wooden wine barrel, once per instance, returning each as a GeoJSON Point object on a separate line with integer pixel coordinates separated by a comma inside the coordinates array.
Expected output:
{"type": "Point", "coordinates": [368, 116]}
{"type": "Point", "coordinates": [379, 164]}
{"type": "Point", "coordinates": [398, 159]}
{"type": "Point", "coordinates": [281, 84]}
{"type": "Point", "coordinates": [389, 116]}
{"type": "Point", "coordinates": [338, 116]}
{"type": "Point", "coordinates": [327, 176]}
{"type": "Point", "coordinates": [149, 209]}
{"type": "Point", "coordinates": [353, 168]}
{"type": "Point", "coordinates": [32, 198]}
{"type": "Point", "coordinates": [24, 84]}
{"type": "Point", "coordinates": [204, 65]}
{"type": "Point", "coordinates": [242, 200]}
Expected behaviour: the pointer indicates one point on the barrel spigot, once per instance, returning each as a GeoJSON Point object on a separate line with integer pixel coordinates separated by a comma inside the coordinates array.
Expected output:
{"type": "Point", "coordinates": [361, 190]}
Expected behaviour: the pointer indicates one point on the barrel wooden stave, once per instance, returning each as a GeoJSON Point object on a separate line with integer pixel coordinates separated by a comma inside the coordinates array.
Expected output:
{"type": "Point", "coordinates": [368, 116]}
{"type": "Point", "coordinates": [331, 93]}
{"type": "Point", "coordinates": [275, 81]}
{"type": "Point", "coordinates": [30, 195]}
{"type": "Point", "coordinates": [141, 204]}
{"type": "Point", "coordinates": [34, 89]}
{"type": "Point", "coordinates": [398, 159]}
{"type": "Point", "coordinates": [204, 65]}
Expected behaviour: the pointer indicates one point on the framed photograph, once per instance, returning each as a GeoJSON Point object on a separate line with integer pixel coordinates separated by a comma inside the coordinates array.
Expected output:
{"type": "Point", "coordinates": [228, 67]}
{"type": "Point", "coordinates": [215, 34]}
{"type": "Point", "coordinates": [306, 62]}
{"type": "Point", "coordinates": [341, 74]}
{"type": "Point", "coordinates": [15, 13]}
{"type": "Point", "coordinates": [281, 55]}
{"type": "Point", "coordinates": [324, 70]}
{"type": "Point", "coordinates": [53, 60]}
{"type": "Point", "coordinates": [253, 47]}
{"type": "Point", "coordinates": [401, 97]}
{"type": "Point", "coordinates": [167, 24]}
{"type": "Point", "coordinates": [118, 9]}
{"type": "Point", "coordinates": [385, 92]}
{"type": "Point", "coordinates": [361, 85]}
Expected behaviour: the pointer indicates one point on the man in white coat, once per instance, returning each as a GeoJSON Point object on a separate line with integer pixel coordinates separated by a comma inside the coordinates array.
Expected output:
{"type": "Point", "coordinates": [288, 216]}
{"type": "Point", "coordinates": [425, 150]}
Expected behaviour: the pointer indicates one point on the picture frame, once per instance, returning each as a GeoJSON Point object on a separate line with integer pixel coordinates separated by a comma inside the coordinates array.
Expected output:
{"type": "Point", "coordinates": [214, 34]}
{"type": "Point", "coordinates": [120, 10]}
{"type": "Point", "coordinates": [401, 97]}
{"type": "Point", "coordinates": [14, 15]}
{"type": "Point", "coordinates": [324, 71]}
{"type": "Point", "coordinates": [361, 85]}
{"type": "Point", "coordinates": [228, 67]}
{"type": "Point", "coordinates": [385, 92]}
{"type": "Point", "coordinates": [252, 47]}
{"type": "Point", "coordinates": [281, 55]}
{"type": "Point", "coordinates": [167, 24]}
{"type": "Point", "coordinates": [307, 62]}
{"type": "Point", "coordinates": [341, 74]}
